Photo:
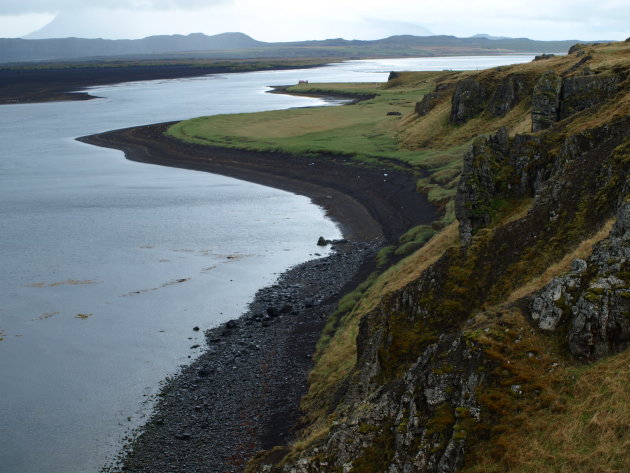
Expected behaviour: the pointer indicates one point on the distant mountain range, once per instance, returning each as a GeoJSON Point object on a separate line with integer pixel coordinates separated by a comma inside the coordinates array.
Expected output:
{"type": "Point", "coordinates": [240, 46]}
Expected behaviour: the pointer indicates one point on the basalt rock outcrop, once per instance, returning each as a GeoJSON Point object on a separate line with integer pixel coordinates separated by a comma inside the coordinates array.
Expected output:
{"type": "Point", "coordinates": [554, 95]}
{"type": "Point", "coordinates": [469, 100]}
{"type": "Point", "coordinates": [428, 103]}
{"type": "Point", "coordinates": [472, 97]}
{"type": "Point", "coordinates": [499, 168]}
{"type": "Point", "coordinates": [436, 371]}
{"type": "Point", "coordinates": [431, 99]}
{"type": "Point", "coordinates": [555, 98]}
{"type": "Point", "coordinates": [592, 302]}
{"type": "Point", "coordinates": [546, 101]}
{"type": "Point", "coordinates": [509, 92]}
{"type": "Point", "coordinates": [420, 425]}
{"type": "Point", "coordinates": [584, 91]}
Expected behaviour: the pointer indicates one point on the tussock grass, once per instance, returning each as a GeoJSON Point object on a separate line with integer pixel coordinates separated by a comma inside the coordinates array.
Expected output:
{"type": "Point", "coordinates": [583, 250]}
{"type": "Point", "coordinates": [576, 423]}
{"type": "Point", "coordinates": [592, 435]}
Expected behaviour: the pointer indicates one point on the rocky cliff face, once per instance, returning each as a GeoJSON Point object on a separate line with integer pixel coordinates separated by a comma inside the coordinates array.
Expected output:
{"type": "Point", "coordinates": [581, 92]}
{"type": "Point", "coordinates": [546, 101]}
{"type": "Point", "coordinates": [593, 300]}
{"type": "Point", "coordinates": [443, 362]}
{"type": "Point", "coordinates": [469, 100]}
{"type": "Point", "coordinates": [556, 99]}
{"type": "Point", "coordinates": [473, 97]}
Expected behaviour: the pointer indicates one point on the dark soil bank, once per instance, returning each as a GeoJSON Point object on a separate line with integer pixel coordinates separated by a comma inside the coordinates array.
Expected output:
{"type": "Point", "coordinates": [243, 393]}
{"type": "Point", "coordinates": [46, 84]}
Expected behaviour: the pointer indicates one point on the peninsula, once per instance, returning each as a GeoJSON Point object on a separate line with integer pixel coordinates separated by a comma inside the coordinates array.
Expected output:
{"type": "Point", "coordinates": [487, 331]}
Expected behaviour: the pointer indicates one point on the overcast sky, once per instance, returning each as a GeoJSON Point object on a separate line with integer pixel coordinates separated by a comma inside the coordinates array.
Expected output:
{"type": "Point", "coordinates": [281, 20]}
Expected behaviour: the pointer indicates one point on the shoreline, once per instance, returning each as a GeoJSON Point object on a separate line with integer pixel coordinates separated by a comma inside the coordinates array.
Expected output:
{"type": "Point", "coordinates": [328, 95]}
{"type": "Point", "coordinates": [242, 394]}
{"type": "Point", "coordinates": [366, 202]}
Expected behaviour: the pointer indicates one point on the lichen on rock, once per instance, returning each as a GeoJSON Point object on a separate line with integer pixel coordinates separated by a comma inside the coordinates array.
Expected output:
{"type": "Point", "coordinates": [546, 101]}
{"type": "Point", "coordinates": [593, 301]}
{"type": "Point", "coordinates": [469, 100]}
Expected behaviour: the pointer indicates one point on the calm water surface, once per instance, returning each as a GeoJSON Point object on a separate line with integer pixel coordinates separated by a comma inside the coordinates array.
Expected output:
{"type": "Point", "coordinates": [107, 265]}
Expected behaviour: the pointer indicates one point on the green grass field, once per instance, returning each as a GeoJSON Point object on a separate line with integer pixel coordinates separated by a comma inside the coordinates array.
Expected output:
{"type": "Point", "coordinates": [363, 131]}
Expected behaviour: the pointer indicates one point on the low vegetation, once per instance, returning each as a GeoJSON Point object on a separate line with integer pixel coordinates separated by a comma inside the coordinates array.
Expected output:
{"type": "Point", "coordinates": [545, 413]}
{"type": "Point", "coordinates": [372, 131]}
{"type": "Point", "coordinates": [363, 130]}
{"type": "Point", "coordinates": [540, 410]}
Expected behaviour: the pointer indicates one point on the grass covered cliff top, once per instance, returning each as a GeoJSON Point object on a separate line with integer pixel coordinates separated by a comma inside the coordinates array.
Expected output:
{"type": "Point", "coordinates": [407, 122]}
{"type": "Point", "coordinates": [540, 408]}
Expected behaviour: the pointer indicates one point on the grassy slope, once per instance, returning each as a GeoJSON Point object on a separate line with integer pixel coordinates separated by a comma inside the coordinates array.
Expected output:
{"type": "Point", "coordinates": [582, 424]}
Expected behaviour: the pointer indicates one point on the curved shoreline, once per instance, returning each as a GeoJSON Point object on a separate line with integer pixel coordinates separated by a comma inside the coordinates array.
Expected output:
{"type": "Point", "coordinates": [242, 394]}
{"type": "Point", "coordinates": [367, 202]}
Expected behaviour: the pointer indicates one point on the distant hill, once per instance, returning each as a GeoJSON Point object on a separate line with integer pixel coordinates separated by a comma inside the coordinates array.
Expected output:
{"type": "Point", "coordinates": [240, 46]}
{"type": "Point", "coordinates": [17, 50]}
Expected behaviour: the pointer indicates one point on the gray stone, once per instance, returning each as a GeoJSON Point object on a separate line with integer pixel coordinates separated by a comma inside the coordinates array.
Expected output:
{"type": "Point", "coordinates": [595, 307]}
{"type": "Point", "coordinates": [469, 100]}
{"type": "Point", "coordinates": [546, 101]}
{"type": "Point", "coordinates": [509, 92]}
{"type": "Point", "coordinates": [428, 103]}
{"type": "Point", "coordinates": [583, 91]}
{"type": "Point", "coordinates": [578, 266]}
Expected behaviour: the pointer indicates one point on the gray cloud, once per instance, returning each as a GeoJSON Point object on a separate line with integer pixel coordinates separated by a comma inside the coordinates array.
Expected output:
{"type": "Point", "coordinates": [14, 7]}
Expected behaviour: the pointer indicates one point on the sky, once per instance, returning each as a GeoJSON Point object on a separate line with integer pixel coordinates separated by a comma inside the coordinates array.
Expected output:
{"type": "Point", "coordinates": [282, 20]}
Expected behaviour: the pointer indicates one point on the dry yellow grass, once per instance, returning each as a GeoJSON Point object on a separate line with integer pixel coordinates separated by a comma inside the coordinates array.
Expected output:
{"type": "Point", "coordinates": [410, 268]}
{"type": "Point", "coordinates": [583, 250]}
{"type": "Point", "coordinates": [568, 419]}
{"type": "Point", "coordinates": [587, 432]}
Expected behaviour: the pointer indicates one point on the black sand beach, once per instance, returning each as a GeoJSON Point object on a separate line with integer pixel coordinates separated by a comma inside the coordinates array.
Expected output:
{"type": "Point", "coordinates": [243, 393]}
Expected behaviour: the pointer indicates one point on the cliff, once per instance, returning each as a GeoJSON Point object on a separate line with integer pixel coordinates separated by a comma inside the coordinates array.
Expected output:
{"type": "Point", "coordinates": [501, 344]}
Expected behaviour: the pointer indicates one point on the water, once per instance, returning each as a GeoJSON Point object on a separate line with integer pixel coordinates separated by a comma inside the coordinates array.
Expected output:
{"type": "Point", "coordinates": [107, 265]}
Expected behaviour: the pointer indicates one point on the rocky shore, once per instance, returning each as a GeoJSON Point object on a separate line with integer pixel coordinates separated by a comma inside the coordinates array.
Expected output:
{"type": "Point", "coordinates": [242, 394]}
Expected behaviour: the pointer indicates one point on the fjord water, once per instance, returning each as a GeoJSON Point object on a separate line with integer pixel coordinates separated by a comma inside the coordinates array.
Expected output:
{"type": "Point", "coordinates": [107, 265]}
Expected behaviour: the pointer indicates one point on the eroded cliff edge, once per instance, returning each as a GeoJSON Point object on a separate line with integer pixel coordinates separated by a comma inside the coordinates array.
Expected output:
{"type": "Point", "coordinates": [464, 355]}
